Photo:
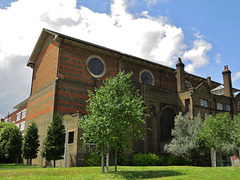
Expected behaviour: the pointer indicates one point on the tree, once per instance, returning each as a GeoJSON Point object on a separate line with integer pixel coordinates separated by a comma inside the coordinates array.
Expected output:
{"type": "Point", "coordinates": [10, 141]}
{"type": "Point", "coordinates": [115, 113]}
{"type": "Point", "coordinates": [184, 142]}
{"type": "Point", "coordinates": [54, 142]}
{"type": "Point", "coordinates": [236, 132]}
{"type": "Point", "coordinates": [217, 134]}
{"type": "Point", "coordinates": [30, 142]}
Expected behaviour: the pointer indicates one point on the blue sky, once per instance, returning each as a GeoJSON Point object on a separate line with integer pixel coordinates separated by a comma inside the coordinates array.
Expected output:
{"type": "Point", "coordinates": [204, 33]}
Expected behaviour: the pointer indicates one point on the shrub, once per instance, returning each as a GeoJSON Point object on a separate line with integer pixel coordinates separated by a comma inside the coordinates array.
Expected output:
{"type": "Point", "coordinates": [93, 159]}
{"type": "Point", "coordinates": [176, 161]}
{"type": "Point", "coordinates": [123, 160]}
{"type": "Point", "coordinates": [146, 160]}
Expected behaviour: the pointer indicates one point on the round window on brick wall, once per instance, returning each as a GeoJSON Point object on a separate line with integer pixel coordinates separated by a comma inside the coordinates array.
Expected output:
{"type": "Point", "coordinates": [146, 77]}
{"type": "Point", "coordinates": [96, 66]}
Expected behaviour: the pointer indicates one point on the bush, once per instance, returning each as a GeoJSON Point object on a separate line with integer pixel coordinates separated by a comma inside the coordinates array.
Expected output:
{"type": "Point", "coordinates": [93, 159]}
{"type": "Point", "coordinates": [146, 160]}
{"type": "Point", "coordinates": [123, 160]}
{"type": "Point", "coordinates": [176, 161]}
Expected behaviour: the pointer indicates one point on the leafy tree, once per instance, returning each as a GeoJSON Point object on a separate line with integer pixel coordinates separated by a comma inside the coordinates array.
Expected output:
{"type": "Point", "coordinates": [30, 142]}
{"type": "Point", "coordinates": [236, 132]}
{"type": "Point", "coordinates": [115, 115]}
{"type": "Point", "coordinates": [10, 141]}
{"type": "Point", "coordinates": [217, 133]}
{"type": "Point", "coordinates": [184, 143]}
{"type": "Point", "coordinates": [54, 142]}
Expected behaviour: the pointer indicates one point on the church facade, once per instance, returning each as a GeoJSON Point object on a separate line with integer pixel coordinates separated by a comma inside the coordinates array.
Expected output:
{"type": "Point", "coordinates": [64, 68]}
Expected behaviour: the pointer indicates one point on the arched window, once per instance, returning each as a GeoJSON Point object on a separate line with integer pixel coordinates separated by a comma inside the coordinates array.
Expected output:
{"type": "Point", "coordinates": [187, 85]}
{"type": "Point", "coordinates": [167, 123]}
{"type": "Point", "coordinates": [146, 77]}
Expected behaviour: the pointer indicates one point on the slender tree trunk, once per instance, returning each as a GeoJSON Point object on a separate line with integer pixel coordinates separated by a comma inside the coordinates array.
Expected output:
{"type": "Point", "coordinates": [213, 157]}
{"type": "Point", "coordinates": [115, 159]}
{"type": "Point", "coordinates": [239, 153]}
{"type": "Point", "coordinates": [107, 161]}
{"type": "Point", "coordinates": [220, 159]}
{"type": "Point", "coordinates": [102, 164]}
{"type": "Point", "coordinates": [54, 163]}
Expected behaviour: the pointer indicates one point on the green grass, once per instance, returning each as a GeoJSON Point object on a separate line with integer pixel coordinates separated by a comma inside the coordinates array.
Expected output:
{"type": "Point", "coordinates": [124, 172]}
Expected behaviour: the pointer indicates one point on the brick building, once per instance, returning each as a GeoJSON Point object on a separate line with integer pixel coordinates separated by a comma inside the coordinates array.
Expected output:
{"type": "Point", "coordinates": [64, 68]}
{"type": "Point", "coordinates": [19, 116]}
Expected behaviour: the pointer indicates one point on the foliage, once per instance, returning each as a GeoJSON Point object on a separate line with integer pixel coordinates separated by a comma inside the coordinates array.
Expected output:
{"type": "Point", "coordinates": [123, 160]}
{"type": "Point", "coordinates": [115, 115]}
{"type": "Point", "coordinates": [146, 160]}
{"type": "Point", "coordinates": [217, 131]}
{"type": "Point", "coordinates": [184, 143]}
{"type": "Point", "coordinates": [30, 142]}
{"type": "Point", "coordinates": [10, 141]}
{"type": "Point", "coordinates": [93, 159]}
{"type": "Point", "coordinates": [217, 134]}
{"type": "Point", "coordinates": [54, 142]}
{"type": "Point", "coordinates": [236, 131]}
{"type": "Point", "coordinates": [176, 161]}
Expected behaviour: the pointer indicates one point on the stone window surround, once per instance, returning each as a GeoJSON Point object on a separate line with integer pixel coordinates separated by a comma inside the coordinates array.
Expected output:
{"type": "Point", "coordinates": [104, 65]}
{"type": "Point", "coordinates": [145, 70]}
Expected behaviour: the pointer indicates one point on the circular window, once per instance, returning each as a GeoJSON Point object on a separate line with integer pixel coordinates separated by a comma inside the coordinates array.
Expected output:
{"type": "Point", "coordinates": [146, 77]}
{"type": "Point", "coordinates": [96, 66]}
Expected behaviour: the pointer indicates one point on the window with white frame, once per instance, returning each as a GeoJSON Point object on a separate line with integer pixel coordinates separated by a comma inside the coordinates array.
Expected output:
{"type": "Point", "coordinates": [18, 116]}
{"type": "Point", "coordinates": [22, 127]}
{"type": "Point", "coordinates": [18, 125]}
{"type": "Point", "coordinates": [203, 103]}
{"type": "Point", "coordinates": [227, 107]}
{"type": "Point", "coordinates": [219, 106]}
{"type": "Point", "coordinates": [24, 113]}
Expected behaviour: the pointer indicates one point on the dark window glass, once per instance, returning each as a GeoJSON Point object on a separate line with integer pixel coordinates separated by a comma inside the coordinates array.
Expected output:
{"type": "Point", "coordinates": [187, 85]}
{"type": "Point", "coordinates": [70, 137]}
{"type": "Point", "coordinates": [96, 66]}
{"type": "Point", "coordinates": [146, 78]}
{"type": "Point", "coordinates": [187, 104]}
{"type": "Point", "coordinates": [167, 123]}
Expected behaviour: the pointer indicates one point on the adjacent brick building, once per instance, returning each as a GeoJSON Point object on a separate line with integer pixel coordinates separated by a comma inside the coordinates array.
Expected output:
{"type": "Point", "coordinates": [64, 68]}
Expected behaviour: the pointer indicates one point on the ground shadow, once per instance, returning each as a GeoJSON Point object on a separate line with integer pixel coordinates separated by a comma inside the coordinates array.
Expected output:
{"type": "Point", "coordinates": [147, 174]}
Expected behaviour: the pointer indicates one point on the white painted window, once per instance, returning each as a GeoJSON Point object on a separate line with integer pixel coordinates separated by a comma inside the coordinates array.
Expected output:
{"type": "Point", "coordinates": [228, 107]}
{"type": "Point", "coordinates": [203, 103]}
{"type": "Point", "coordinates": [24, 113]}
{"type": "Point", "coordinates": [18, 116]}
{"type": "Point", "coordinates": [22, 127]}
{"type": "Point", "coordinates": [219, 106]}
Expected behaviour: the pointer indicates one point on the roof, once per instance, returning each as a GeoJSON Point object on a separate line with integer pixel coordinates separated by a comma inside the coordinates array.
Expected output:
{"type": "Point", "coordinates": [64, 38]}
{"type": "Point", "coordinates": [218, 88]}
{"type": "Point", "coordinates": [21, 104]}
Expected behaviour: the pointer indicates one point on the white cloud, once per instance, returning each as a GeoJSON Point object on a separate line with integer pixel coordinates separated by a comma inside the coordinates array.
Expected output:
{"type": "Point", "coordinates": [218, 58]}
{"type": "Point", "coordinates": [153, 2]}
{"type": "Point", "coordinates": [197, 55]}
{"type": "Point", "coordinates": [198, 35]}
{"type": "Point", "coordinates": [236, 76]}
{"type": "Point", "coordinates": [148, 37]}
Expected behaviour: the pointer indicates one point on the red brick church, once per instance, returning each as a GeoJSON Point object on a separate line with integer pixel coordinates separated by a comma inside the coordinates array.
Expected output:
{"type": "Point", "coordinates": [64, 68]}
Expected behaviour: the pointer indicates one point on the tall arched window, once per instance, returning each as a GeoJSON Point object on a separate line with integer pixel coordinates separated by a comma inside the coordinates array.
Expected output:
{"type": "Point", "coordinates": [167, 123]}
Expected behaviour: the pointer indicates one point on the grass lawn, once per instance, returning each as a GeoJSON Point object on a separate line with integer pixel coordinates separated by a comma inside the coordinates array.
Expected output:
{"type": "Point", "coordinates": [124, 172]}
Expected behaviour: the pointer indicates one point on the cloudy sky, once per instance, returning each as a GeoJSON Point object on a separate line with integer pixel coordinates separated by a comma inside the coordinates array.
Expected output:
{"type": "Point", "coordinates": [204, 33]}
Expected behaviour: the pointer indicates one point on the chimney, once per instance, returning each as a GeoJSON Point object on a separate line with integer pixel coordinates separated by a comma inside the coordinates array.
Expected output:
{"type": "Point", "coordinates": [227, 82]}
{"type": "Point", "coordinates": [180, 75]}
{"type": "Point", "coordinates": [209, 81]}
